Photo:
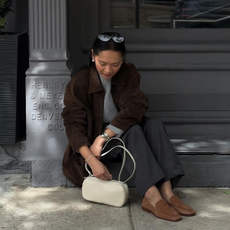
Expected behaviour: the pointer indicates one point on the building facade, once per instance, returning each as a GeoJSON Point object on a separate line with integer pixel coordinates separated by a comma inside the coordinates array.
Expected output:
{"type": "Point", "coordinates": [185, 73]}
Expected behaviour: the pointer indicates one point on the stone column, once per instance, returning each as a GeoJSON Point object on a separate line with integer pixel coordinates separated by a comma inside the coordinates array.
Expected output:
{"type": "Point", "coordinates": [45, 85]}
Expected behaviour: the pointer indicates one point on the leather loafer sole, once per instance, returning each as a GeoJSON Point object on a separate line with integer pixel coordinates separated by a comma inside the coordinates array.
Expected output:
{"type": "Point", "coordinates": [162, 210]}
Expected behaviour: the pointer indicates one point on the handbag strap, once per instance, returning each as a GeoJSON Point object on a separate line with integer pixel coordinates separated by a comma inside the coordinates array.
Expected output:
{"type": "Point", "coordinates": [125, 150]}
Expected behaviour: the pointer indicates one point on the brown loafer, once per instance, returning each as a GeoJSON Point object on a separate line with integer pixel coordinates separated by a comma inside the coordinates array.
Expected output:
{"type": "Point", "coordinates": [181, 208]}
{"type": "Point", "coordinates": [162, 210]}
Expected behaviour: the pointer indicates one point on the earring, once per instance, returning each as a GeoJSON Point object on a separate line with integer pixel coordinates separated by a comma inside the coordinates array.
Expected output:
{"type": "Point", "coordinates": [92, 60]}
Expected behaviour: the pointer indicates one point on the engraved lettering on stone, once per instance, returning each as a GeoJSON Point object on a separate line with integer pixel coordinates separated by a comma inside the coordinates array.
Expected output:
{"type": "Point", "coordinates": [58, 106]}
{"type": "Point", "coordinates": [32, 96]}
{"type": "Point", "coordinates": [51, 95]}
{"type": "Point", "coordinates": [47, 85]}
{"type": "Point", "coordinates": [48, 103]}
{"type": "Point", "coordinates": [41, 106]}
{"type": "Point", "coordinates": [46, 116]}
{"type": "Point", "coordinates": [55, 127]}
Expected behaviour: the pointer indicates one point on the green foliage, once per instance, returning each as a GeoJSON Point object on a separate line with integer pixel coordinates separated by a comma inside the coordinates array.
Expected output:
{"type": "Point", "coordinates": [227, 192]}
{"type": "Point", "coordinates": [5, 8]}
{"type": "Point", "coordinates": [2, 22]}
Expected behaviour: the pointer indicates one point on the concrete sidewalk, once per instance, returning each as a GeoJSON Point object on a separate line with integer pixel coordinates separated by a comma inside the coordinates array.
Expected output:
{"type": "Point", "coordinates": [25, 208]}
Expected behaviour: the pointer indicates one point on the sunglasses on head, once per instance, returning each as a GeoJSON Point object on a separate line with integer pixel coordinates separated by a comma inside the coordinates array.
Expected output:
{"type": "Point", "coordinates": [106, 38]}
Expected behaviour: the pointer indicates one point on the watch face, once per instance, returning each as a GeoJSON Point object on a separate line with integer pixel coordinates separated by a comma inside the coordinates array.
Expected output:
{"type": "Point", "coordinates": [105, 136]}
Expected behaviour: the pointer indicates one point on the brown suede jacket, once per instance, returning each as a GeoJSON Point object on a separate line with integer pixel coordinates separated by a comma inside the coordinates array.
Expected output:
{"type": "Point", "coordinates": [83, 114]}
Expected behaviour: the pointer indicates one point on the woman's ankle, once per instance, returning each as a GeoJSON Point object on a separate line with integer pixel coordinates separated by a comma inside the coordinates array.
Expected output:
{"type": "Point", "coordinates": [166, 190]}
{"type": "Point", "coordinates": [153, 195]}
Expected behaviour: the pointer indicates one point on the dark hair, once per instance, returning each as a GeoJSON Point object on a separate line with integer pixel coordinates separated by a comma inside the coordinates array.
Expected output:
{"type": "Point", "coordinates": [99, 45]}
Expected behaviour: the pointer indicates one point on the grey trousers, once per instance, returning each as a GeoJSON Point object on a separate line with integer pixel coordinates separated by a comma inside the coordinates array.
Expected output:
{"type": "Point", "coordinates": [156, 160]}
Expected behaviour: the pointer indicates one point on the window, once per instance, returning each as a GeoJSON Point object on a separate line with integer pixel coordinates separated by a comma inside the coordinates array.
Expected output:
{"type": "Point", "coordinates": [170, 14]}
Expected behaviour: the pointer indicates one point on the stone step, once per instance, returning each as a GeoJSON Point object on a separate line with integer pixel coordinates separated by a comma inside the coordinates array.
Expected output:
{"type": "Point", "coordinates": [200, 171]}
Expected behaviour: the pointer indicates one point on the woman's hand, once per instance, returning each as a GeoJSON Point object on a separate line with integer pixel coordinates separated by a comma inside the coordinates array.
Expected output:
{"type": "Point", "coordinates": [96, 147]}
{"type": "Point", "coordinates": [99, 169]}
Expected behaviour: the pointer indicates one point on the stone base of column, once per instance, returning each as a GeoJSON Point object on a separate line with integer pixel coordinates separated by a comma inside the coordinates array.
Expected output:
{"type": "Point", "coordinates": [47, 173]}
{"type": "Point", "coordinates": [46, 139]}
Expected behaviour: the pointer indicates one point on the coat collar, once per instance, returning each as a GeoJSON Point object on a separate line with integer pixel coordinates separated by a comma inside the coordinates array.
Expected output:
{"type": "Point", "coordinates": [94, 81]}
{"type": "Point", "coordinates": [95, 84]}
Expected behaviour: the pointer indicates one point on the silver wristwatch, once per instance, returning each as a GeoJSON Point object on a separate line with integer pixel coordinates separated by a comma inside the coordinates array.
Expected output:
{"type": "Point", "coordinates": [105, 136]}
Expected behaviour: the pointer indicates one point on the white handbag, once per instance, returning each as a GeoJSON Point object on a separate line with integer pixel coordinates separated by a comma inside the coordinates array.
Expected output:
{"type": "Point", "coordinates": [113, 192]}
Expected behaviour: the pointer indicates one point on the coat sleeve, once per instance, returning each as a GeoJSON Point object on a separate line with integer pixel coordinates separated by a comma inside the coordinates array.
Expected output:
{"type": "Point", "coordinates": [133, 102]}
{"type": "Point", "coordinates": [75, 116]}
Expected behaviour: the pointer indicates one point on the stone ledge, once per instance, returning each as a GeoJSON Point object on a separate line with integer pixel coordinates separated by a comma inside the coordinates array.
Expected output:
{"type": "Point", "coordinates": [205, 171]}
{"type": "Point", "coordinates": [200, 171]}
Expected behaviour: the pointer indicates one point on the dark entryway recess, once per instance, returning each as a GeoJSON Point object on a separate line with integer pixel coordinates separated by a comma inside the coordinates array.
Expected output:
{"type": "Point", "coordinates": [14, 61]}
{"type": "Point", "coordinates": [186, 74]}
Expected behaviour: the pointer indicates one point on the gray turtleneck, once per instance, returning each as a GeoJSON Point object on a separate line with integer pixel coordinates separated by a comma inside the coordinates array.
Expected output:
{"type": "Point", "coordinates": [110, 110]}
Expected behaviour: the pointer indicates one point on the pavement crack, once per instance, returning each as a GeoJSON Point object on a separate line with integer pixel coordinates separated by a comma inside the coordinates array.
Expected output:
{"type": "Point", "coordinates": [131, 217]}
